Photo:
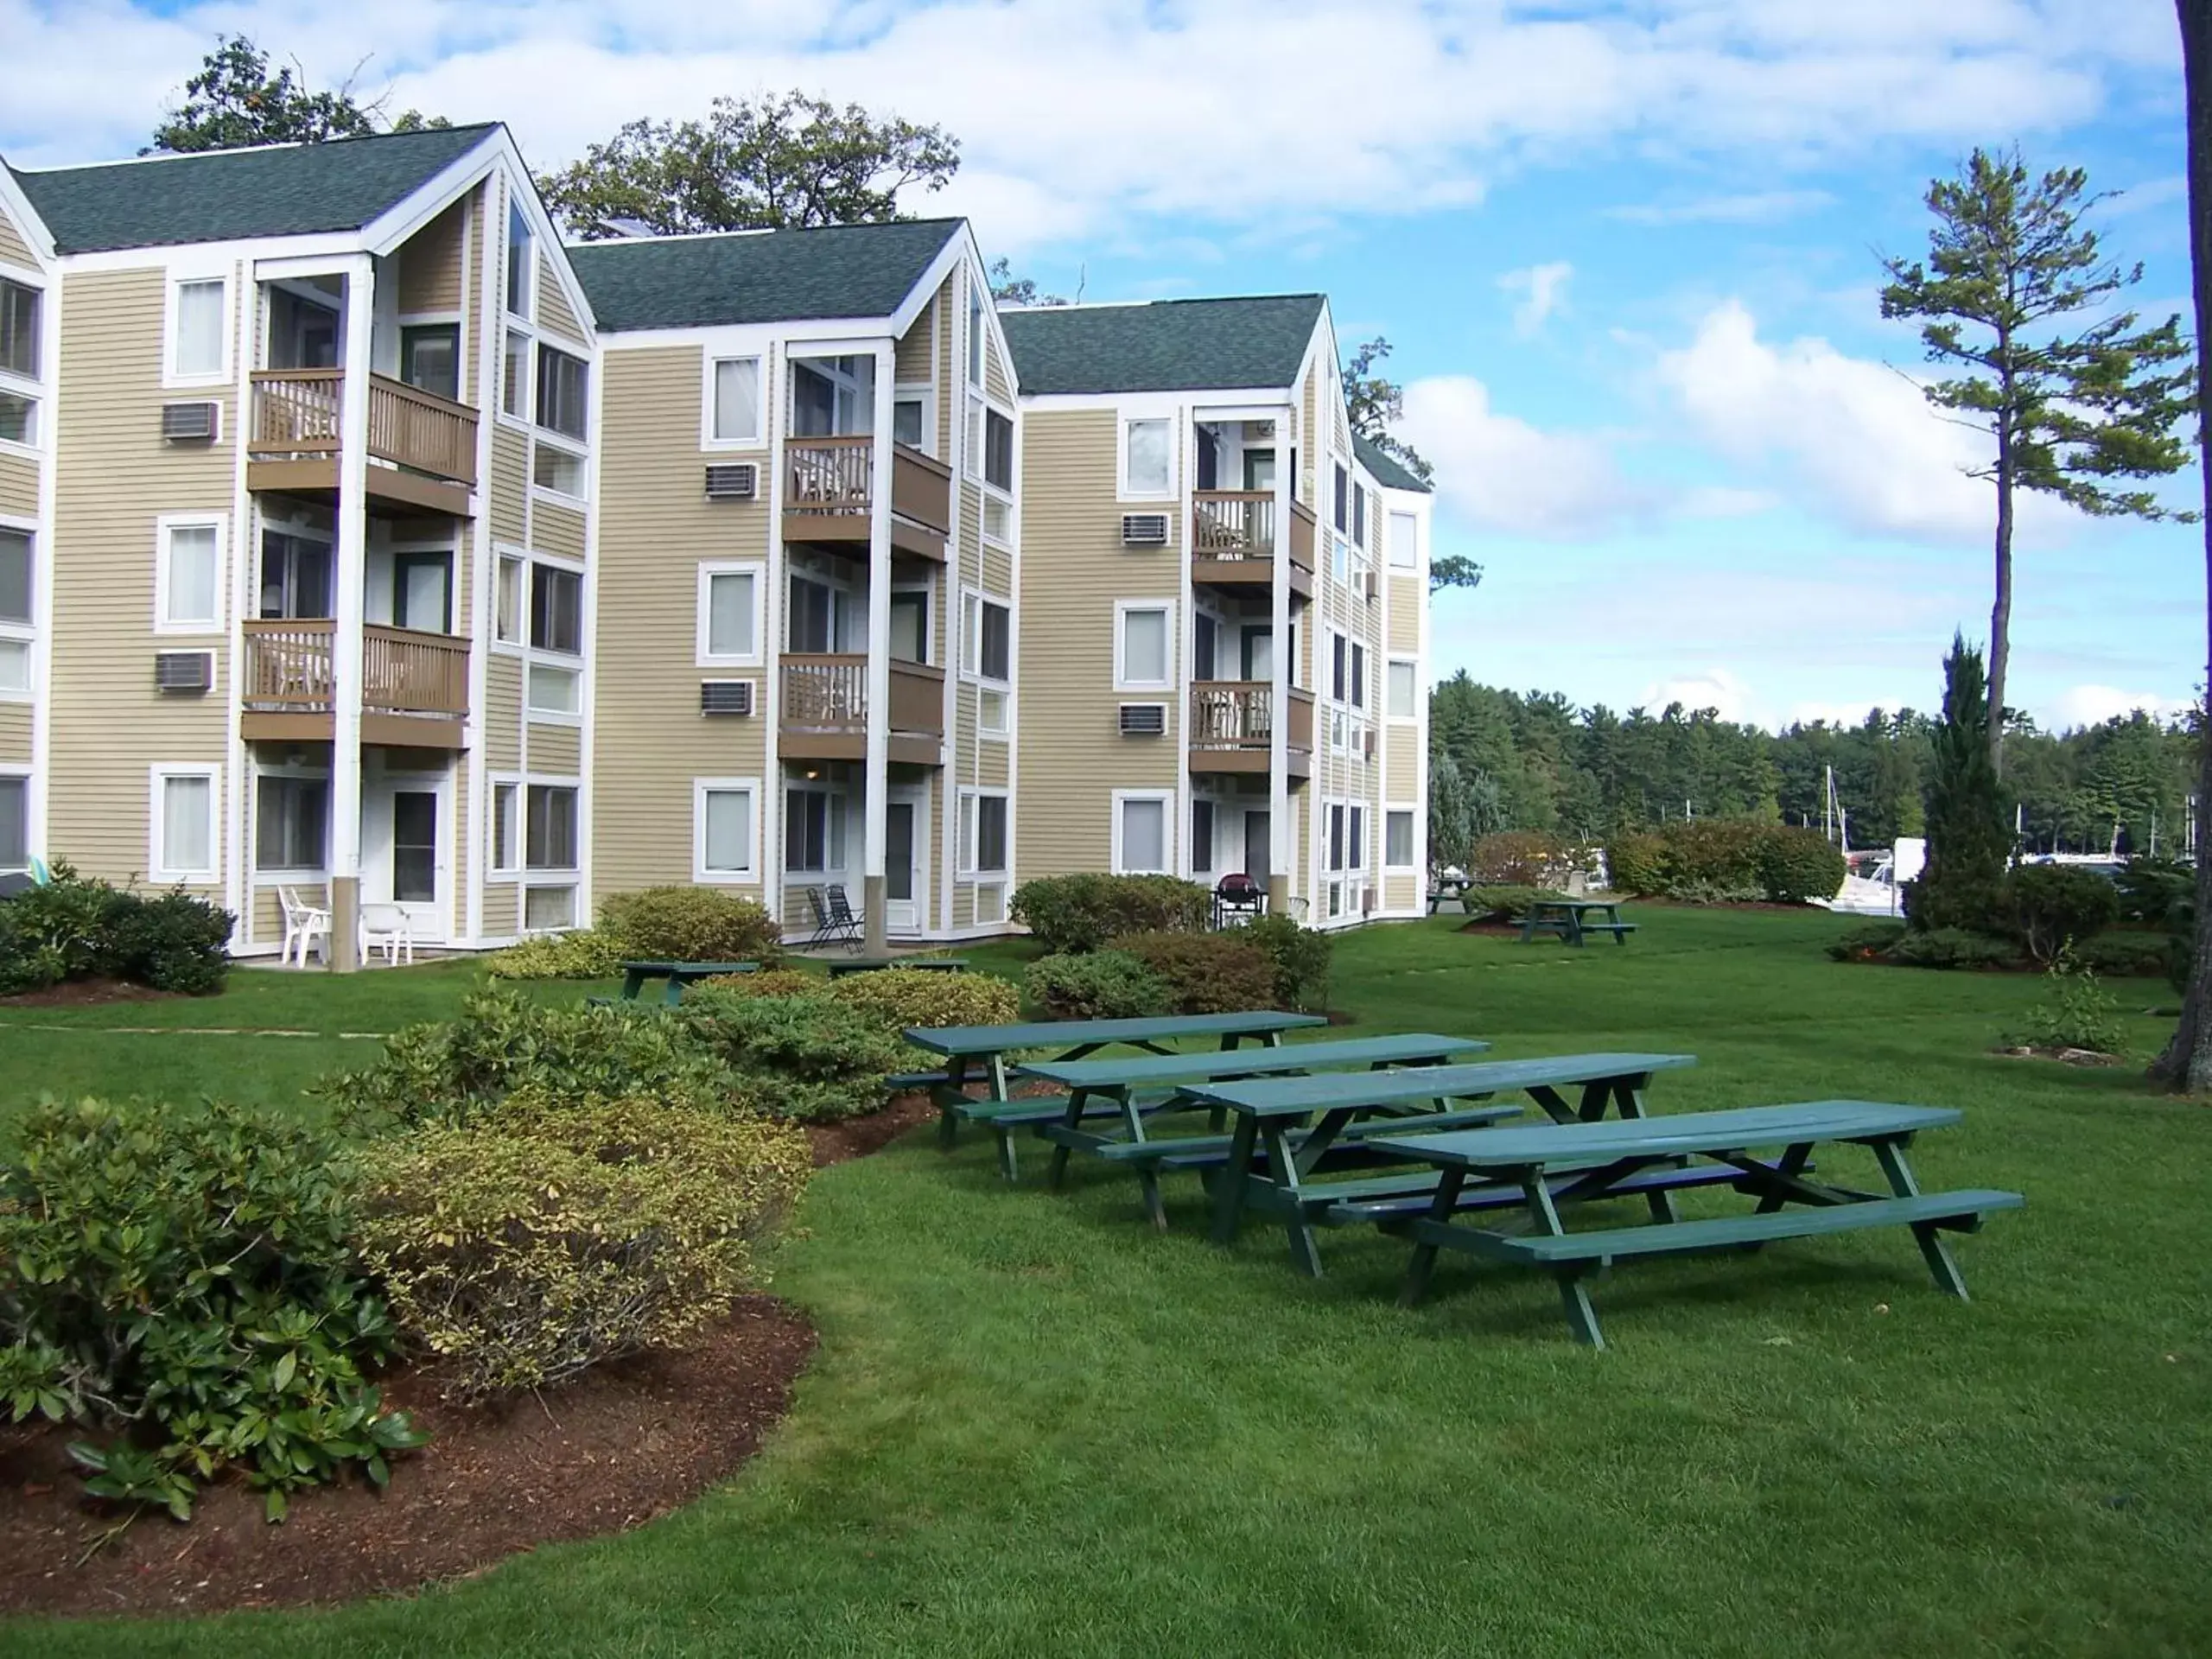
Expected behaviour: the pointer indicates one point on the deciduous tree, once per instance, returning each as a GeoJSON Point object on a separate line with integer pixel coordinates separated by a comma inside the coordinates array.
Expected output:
{"type": "Point", "coordinates": [236, 101]}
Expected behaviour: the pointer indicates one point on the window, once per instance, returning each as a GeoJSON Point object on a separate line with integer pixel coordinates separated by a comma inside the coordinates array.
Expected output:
{"type": "Point", "coordinates": [998, 450]}
{"type": "Point", "coordinates": [1340, 561]}
{"type": "Point", "coordinates": [188, 597]}
{"type": "Point", "coordinates": [998, 520]}
{"type": "Point", "coordinates": [1359, 514]}
{"type": "Point", "coordinates": [1139, 835]}
{"type": "Point", "coordinates": [550, 831]}
{"type": "Point", "coordinates": [1141, 654]}
{"type": "Point", "coordinates": [556, 610]}
{"type": "Point", "coordinates": [430, 357]}
{"type": "Point", "coordinates": [1338, 670]}
{"type": "Point", "coordinates": [729, 614]}
{"type": "Point", "coordinates": [19, 339]}
{"type": "Point", "coordinates": [1201, 837]}
{"type": "Point", "coordinates": [1341, 498]}
{"type": "Point", "coordinates": [907, 410]}
{"type": "Point", "coordinates": [991, 713]}
{"type": "Point", "coordinates": [1358, 674]}
{"type": "Point", "coordinates": [18, 417]}
{"type": "Point", "coordinates": [974, 336]}
{"type": "Point", "coordinates": [1337, 837]}
{"type": "Point", "coordinates": [814, 830]}
{"type": "Point", "coordinates": [519, 243]}
{"type": "Point", "coordinates": [514, 378]}
{"type": "Point", "coordinates": [184, 824]}
{"type": "Point", "coordinates": [295, 576]}
{"type": "Point", "coordinates": [1400, 701]}
{"type": "Point", "coordinates": [1147, 460]}
{"type": "Point", "coordinates": [1404, 541]}
{"type": "Point", "coordinates": [291, 819]}
{"type": "Point", "coordinates": [724, 833]}
{"type": "Point", "coordinates": [421, 591]}
{"type": "Point", "coordinates": [736, 400]}
{"type": "Point", "coordinates": [983, 833]}
{"type": "Point", "coordinates": [818, 617]}
{"type": "Point", "coordinates": [197, 345]}
{"type": "Point", "coordinates": [506, 855]}
{"type": "Point", "coordinates": [15, 610]}
{"type": "Point", "coordinates": [1398, 839]}
{"type": "Point", "coordinates": [14, 822]}
{"type": "Point", "coordinates": [1356, 831]}
{"type": "Point", "coordinates": [989, 627]}
{"type": "Point", "coordinates": [506, 601]}
{"type": "Point", "coordinates": [563, 383]}
{"type": "Point", "coordinates": [910, 625]}
{"type": "Point", "coordinates": [555, 690]}
{"type": "Point", "coordinates": [548, 908]}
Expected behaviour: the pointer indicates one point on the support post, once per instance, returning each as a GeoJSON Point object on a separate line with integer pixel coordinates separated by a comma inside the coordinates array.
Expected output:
{"type": "Point", "coordinates": [348, 592]}
{"type": "Point", "coordinates": [875, 790]}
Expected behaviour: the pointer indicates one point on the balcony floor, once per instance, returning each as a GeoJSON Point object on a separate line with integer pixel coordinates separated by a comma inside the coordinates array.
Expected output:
{"type": "Point", "coordinates": [388, 486]}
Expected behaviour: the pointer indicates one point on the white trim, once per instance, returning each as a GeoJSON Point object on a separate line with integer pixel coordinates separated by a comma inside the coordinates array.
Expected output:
{"type": "Point", "coordinates": [710, 442]}
{"type": "Point", "coordinates": [749, 874]}
{"type": "Point", "coordinates": [27, 633]}
{"type": "Point", "coordinates": [28, 773]}
{"type": "Point", "coordinates": [709, 570]}
{"type": "Point", "coordinates": [158, 869]}
{"type": "Point", "coordinates": [193, 273]}
{"type": "Point", "coordinates": [1413, 813]}
{"type": "Point", "coordinates": [1122, 607]}
{"type": "Point", "coordinates": [503, 864]}
{"type": "Point", "coordinates": [1412, 664]}
{"type": "Point", "coordinates": [1124, 419]}
{"type": "Point", "coordinates": [165, 526]}
{"type": "Point", "coordinates": [1264, 401]}
{"type": "Point", "coordinates": [968, 838]}
{"type": "Point", "coordinates": [1166, 800]}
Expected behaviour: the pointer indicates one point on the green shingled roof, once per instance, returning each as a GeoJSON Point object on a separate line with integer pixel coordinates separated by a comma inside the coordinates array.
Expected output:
{"type": "Point", "coordinates": [696, 281]}
{"type": "Point", "coordinates": [1167, 345]}
{"type": "Point", "coordinates": [222, 195]}
{"type": "Point", "coordinates": [1389, 472]}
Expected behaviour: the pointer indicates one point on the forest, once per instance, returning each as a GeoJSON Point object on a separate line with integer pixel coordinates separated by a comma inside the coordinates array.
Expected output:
{"type": "Point", "coordinates": [1535, 760]}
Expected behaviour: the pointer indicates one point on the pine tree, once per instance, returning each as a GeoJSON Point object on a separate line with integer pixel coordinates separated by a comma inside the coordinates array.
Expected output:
{"type": "Point", "coordinates": [1968, 844]}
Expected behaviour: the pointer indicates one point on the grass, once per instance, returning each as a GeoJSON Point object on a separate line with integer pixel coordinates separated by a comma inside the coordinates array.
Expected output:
{"type": "Point", "coordinates": [1034, 1425]}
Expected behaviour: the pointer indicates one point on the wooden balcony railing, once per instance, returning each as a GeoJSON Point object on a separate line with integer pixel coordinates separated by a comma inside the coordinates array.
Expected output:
{"type": "Point", "coordinates": [917, 698]}
{"type": "Point", "coordinates": [289, 670]}
{"type": "Point", "coordinates": [1233, 524]}
{"type": "Point", "coordinates": [921, 488]}
{"type": "Point", "coordinates": [829, 476]}
{"type": "Point", "coordinates": [296, 416]}
{"type": "Point", "coordinates": [828, 693]}
{"type": "Point", "coordinates": [1231, 713]}
{"type": "Point", "coordinates": [1301, 537]}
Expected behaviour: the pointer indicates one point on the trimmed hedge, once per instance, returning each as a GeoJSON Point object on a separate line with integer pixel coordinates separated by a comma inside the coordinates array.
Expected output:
{"type": "Point", "coordinates": [905, 997]}
{"type": "Point", "coordinates": [813, 1058]}
{"type": "Point", "coordinates": [1504, 904]}
{"type": "Point", "coordinates": [580, 953]}
{"type": "Point", "coordinates": [1206, 973]}
{"type": "Point", "coordinates": [1517, 858]}
{"type": "Point", "coordinates": [71, 928]}
{"type": "Point", "coordinates": [1300, 956]}
{"type": "Point", "coordinates": [1075, 914]}
{"type": "Point", "coordinates": [1725, 860]}
{"type": "Point", "coordinates": [677, 924]}
{"type": "Point", "coordinates": [1097, 985]}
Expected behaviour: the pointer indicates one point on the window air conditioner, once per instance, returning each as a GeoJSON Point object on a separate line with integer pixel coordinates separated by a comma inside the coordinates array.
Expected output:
{"type": "Point", "coordinates": [1367, 744]}
{"type": "Point", "coordinates": [1144, 529]}
{"type": "Point", "coordinates": [735, 480]}
{"type": "Point", "coordinates": [726, 696]}
{"type": "Point", "coordinates": [184, 670]}
{"type": "Point", "coordinates": [199, 422]}
{"type": "Point", "coordinates": [1144, 719]}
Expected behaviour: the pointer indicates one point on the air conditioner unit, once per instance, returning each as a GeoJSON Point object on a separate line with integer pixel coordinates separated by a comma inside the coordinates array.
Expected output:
{"type": "Point", "coordinates": [734, 480]}
{"type": "Point", "coordinates": [1368, 744]}
{"type": "Point", "coordinates": [199, 422]}
{"type": "Point", "coordinates": [1374, 585]}
{"type": "Point", "coordinates": [1144, 719]}
{"type": "Point", "coordinates": [725, 696]}
{"type": "Point", "coordinates": [1367, 902]}
{"type": "Point", "coordinates": [184, 670]}
{"type": "Point", "coordinates": [1144, 529]}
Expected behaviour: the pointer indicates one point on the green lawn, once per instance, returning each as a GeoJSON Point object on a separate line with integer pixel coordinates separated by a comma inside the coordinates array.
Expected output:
{"type": "Point", "coordinates": [1034, 1426]}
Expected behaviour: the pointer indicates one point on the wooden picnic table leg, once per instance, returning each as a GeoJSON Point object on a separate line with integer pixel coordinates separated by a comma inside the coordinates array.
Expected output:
{"type": "Point", "coordinates": [954, 1088]}
{"type": "Point", "coordinates": [1078, 1099]}
{"type": "Point", "coordinates": [1791, 1166]}
{"type": "Point", "coordinates": [1009, 1161]}
{"type": "Point", "coordinates": [1155, 1208]}
{"type": "Point", "coordinates": [673, 994]}
{"type": "Point", "coordinates": [1553, 1102]}
{"type": "Point", "coordinates": [1889, 1153]}
{"type": "Point", "coordinates": [1573, 1293]}
{"type": "Point", "coordinates": [633, 983]}
{"type": "Point", "coordinates": [1229, 1185]}
{"type": "Point", "coordinates": [1422, 1263]}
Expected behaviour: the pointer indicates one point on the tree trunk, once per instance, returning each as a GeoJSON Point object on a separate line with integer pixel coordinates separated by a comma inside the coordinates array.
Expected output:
{"type": "Point", "coordinates": [2001, 612]}
{"type": "Point", "coordinates": [2187, 1063]}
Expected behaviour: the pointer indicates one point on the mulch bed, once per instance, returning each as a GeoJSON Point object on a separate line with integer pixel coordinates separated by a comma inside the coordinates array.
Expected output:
{"type": "Point", "coordinates": [606, 1452]}
{"type": "Point", "coordinates": [85, 993]}
{"type": "Point", "coordinates": [2063, 1056]}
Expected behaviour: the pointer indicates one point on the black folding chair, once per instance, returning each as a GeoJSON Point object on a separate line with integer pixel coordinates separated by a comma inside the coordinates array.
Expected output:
{"type": "Point", "coordinates": [834, 921]}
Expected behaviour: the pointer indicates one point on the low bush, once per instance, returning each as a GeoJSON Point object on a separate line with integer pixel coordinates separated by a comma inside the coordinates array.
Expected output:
{"type": "Point", "coordinates": [2052, 905]}
{"type": "Point", "coordinates": [548, 1238]}
{"type": "Point", "coordinates": [2155, 891]}
{"type": "Point", "coordinates": [1951, 947]}
{"type": "Point", "coordinates": [1504, 904]}
{"type": "Point", "coordinates": [1796, 865]}
{"type": "Point", "coordinates": [71, 928]}
{"type": "Point", "coordinates": [1097, 985]}
{"type": "Point", "coordinates": [1725, 860]}
{"type": "Point", "coordinates": [2077, 1013]}
{"type": "Point", "coordinates": [812, 1059]}
{"type": "Point", "coordinates": [1206, 973]}
{"type": "Point", "coordinates": [2126, 953]}
{"type": "Point", "coordinates": [690, 924]}
{"type": "Point", "coordinates": [905, 997]}
{"type": "Point", "coordinates": [1074, 913]}
{"type": "Point", "coordinates": [1870, 943]}
{"type": "Point", "coordinates": [770, 982]}
{"type": "Point", "coordinates": [1517, 858]}
{"type": "Point", "coordinates": [1300, 956]}
{"type": "Point", "coordinates": [184, 1278]}
{"type": "Point", "coordinates": [1692, 890]}
{"type": "Point", "coordinates": [581, 953]}
{"type": "Point", "coordinates": [1636, 861]}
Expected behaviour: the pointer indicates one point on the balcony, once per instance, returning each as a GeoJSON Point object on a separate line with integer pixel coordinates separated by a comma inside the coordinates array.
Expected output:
{"type": "Point", "coordinates": [823, 714]}
{"type": "Point", "coordinates": [421, 448]}
{"type": "Point", "coordinates": [414, 688]}
{"type": "Point", "coordinates": [829, 496]}
{"type": "Point", "coordinates": [1233, 541]}
{"type": "Point", "coordinates": [1232, 727]}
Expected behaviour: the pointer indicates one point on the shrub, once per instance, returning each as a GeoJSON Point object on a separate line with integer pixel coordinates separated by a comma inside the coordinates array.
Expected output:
{"type": "Point", "coordinates": [2051, 904]}
{"type": "Point", "coordinates": [904, 997]}
{"type": "Point", "coordinates": [1719, 853]}
{"type": "Point", "coordinates": [184, 1274]}
{"type": "Point", "coordinates": [1870, 943]}
{"type": "Point", "coordinates": [2126, 953]}
{"type": "Point", "coordinates": [770, 982]}
{"type": "Point", "coordinates": [1725, 860]}
{"type": "Point", "coordinates": [2155, 892]}
{"type": "Point", "coordinates": [1300, 957]}
{"type": "Point", "coordinates": [690, 924]}
{"type": "Point", "coordinates": [72, 929]}
{"type": "Point", "coordinates": [1636, 863]}
{"type": "Point", "coordinates": [812, 1058]}
{"type": "Point", "coordinates": [2077, 1014]}
{"type": "Point", "coordinates": [1504, 904]}
{"type": "Point", "coordinates": [1950, 947]}
{"type": "Point", "coordinates": [1074, 913]}
{"type": "Point", "coordinates": [1097, 985]}
{"type": "Point", "coordinates": [1796, 865]}
{"type": "Point", "coordinates": [1695, 890]}
{"type": "Point", "coordinates": [549, 1238]}
{"type": "Point", "coordinates": [581, 953]}
{"type": "Point", "coordinates": [1516, 858]}
{"type": "Point", "coordinates": [1206, 973]}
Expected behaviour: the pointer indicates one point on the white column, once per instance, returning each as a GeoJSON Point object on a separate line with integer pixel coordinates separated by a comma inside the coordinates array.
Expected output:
{"type": "Point", "coordinates": [348, 592]}
{"type": "Point", "coordinates": [873, 806]}
{"type": "Point", "coordinates": [1282, 839]}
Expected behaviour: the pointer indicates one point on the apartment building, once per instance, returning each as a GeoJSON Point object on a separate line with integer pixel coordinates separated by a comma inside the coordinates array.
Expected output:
{"type": "Point", "coordinates": [1223, 608]}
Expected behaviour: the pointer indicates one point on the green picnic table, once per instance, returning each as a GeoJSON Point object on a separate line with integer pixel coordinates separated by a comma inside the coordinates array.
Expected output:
{"type": "Point", "coordinates": [1450, 886]}
{"type": "Point", "coordinates": [1138, 1090]}
{"type": "Point", "coordinates": [1270, 1159]}
{"type": "Point", "coordinates": [1571, 918]}
{"type": "Point", "coordinates": [1597, 1159]}
{"type": "Point", "coordinates": [872, 964]}
{"type": "Point", "coordinates": [977, 1054]}
{"type": "Point", "coordinates": [677, 974]}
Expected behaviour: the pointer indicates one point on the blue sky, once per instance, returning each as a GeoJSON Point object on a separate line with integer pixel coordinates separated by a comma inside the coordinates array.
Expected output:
{"type": "Point", "coordinates": [1627, 255]}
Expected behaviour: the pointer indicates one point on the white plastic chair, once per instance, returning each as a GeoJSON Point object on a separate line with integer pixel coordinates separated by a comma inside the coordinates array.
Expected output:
{"type": "Point", "coordinates": [305, 924]}
{"type": "Point", "coordinates": [386, 928]}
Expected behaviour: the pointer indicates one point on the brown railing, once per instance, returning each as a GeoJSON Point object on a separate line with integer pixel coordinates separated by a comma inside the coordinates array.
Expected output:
{"type": "Point", "coordinates": [917, 697]}
{"type": "Point", "coordinates": [289, 669]}
{"type": "Point", "coordinates": [1300, 736]}
{"type": "Point", "coordinates": [828, 475]}
{"type": "Point", "coordinates": [921, 488]}
{"type": "Point", "coordinates": [829, 693]}
{"type": "Point", "coordinates": [1302, 536]}
{"type": "Point", "coordinates": [296, 415]}
{"type": "Point", "coordinates": [1233, 524]}
{"type": "Point", "coordinates": [1231, 713]}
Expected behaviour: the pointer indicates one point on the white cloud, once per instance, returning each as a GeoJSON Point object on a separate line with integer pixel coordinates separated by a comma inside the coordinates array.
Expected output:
{"type": "Point", "coordinates": [1754, 208]}
{"type": "Point", "coordinates": [1497, 471]}
{"type": "Point", "coordinates": [1716, 687]}
{"type": "Point", "coordinates": [2093, 705]}
{"type": "Point", "coordinates": [1542, 289]}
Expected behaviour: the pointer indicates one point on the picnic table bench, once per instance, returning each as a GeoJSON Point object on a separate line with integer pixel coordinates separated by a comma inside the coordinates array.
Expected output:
{"type": "Point", "coordinates": [871, 964]}
{"type": "Point", "coordinates": [1571, 918]}
{"type": "Point", "coordinates": [677, 974]}
{"type": "Point", "coordinates": [1450, 886]}
{"type": "Point", "coordinates": [1270, 1159]}
{"type": "Point", "coordinates": [977, 1053]}
{"type": "Point", "coordinates": [1137, 1089]}
{"type": "Point", "coordinates": [1597, 1161]}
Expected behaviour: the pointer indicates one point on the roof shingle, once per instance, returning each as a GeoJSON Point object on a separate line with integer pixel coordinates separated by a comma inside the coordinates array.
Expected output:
{"type": "Point", "coordinates": [1164, 345]}
{"type": "Point", "coordinates": [1389, 472]}
{"type": "Point", "coordinates": [223, 195]}
{"type": "Point", "coordinates": [695, 281]}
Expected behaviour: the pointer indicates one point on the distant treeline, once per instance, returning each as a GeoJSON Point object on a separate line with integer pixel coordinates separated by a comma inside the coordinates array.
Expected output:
{"type": "Point", "coordinates": [1537, 761]}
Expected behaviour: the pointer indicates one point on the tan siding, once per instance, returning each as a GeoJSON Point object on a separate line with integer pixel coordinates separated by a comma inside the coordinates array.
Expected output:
{"type": "Point", "coordinates": [13, 246]}
{"type": "Point", "coordinates": [500, 910]}
{"type": "Point", "coordinates": [18, 486]}
{"type": "Point", "coordinates": [990, 763]}
{"type": "Point", "coordinates": [510, 483]}
{"type": "Point", "coordinates": [113, 476]}
{"type": "Point", "coordinates": [913, 354]}
{"type": "Point", "coordinates": [503, 713]}
{"type": "Point", "coordinates": [462, 858]}
{"type": "Point", "coordinates": [1404, 773]}
{"type": "Point", "coordinates": [554, 312]}
{"type": "Point", "coordinates": [995, 377]}
{"type": "Point", "coordinates": [15, 733]}
{"type": "Point", "coordinates": [558, 530]}
{"type": "Point", "coordinates": [556, 749]}
{"type": "Point", "coordinates": [654, 529]}
{"type": "Point", "coordinates": [1075, 570]}
{"type": "Point", "coordinates": [1402, 599]}
{"type": "Point", "coordinates": [431, 264]}
{"type": "Point", "coordinates": [998, 571]}
{"type": "Point", "coordinates": [963, 904]}
{"type": "Point", "coordinates": [1402, 891]}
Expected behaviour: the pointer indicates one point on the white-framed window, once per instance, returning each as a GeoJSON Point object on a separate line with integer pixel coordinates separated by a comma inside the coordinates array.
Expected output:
{"type": "Point", "coordinates": [733, 414]}
{"type": "Point", "coordinates": [1398, 838]}
{"type": "Point", "coordinates": [1202, 829]}
{"type": "Point", "coordinates": [998, 450]}
{"type": "Point", "coordinates": [18, 608]}
{"type": "Point", "coordinates": [725, 829]}
{"type": "Point", "coordinates": [987, 638]}
{"type": "Point", "coordinates": [555, 687]}
{"type": "Point", "coordinates": [730, 600]}
{"type": "Point", "coordinates": [975, 333]}
{"type": "Point", "coordinates": [550, 826]}
{"type": "Point", "coordinates": [1359, 515]}
{"type": "Point", "coordinates": [199, 331]}
{"type": "Point", "coordinates": [508, 589]}
{"type": "Point", "coordinates": [1402, 700]}
{"type": "Point", "coordinates": [1404, 541]}
{"type": "Point", "coordinates": [555, 690]}
{"type": "Point", "coordinates": [1340, 499]}
{"type": "Point", "coordinates": [1358, 698]}
{"type": "Point", "coordinates": [21, 308]}
{"type": "Point", "coordinates": [548, 910]}
{"type": "Point", "coordinates": [1140, 831]}
{"type": "Point", "coordinates": [514, 375]}
{"type": "Point", "coordinates": [1143, 632]}
{"type": "Point", "coordinates": [910, 410]}
{"type": "Point", "coordinates": [983, 832]}
{"type": "Point", "coordinates": [291, 823]}
{"type": "Point", "coordinates": [1147, 457]}
{"type": "Point", "coordinates": [522, 268]}
{"type": "Point", "coordinates": [506, 827]}
{"type": "Point", "coordinates": [1340, 561]}
{"type": "Point", "coordinates": [15, 821]}
{"type": "Point", "coordinates": [998, 520]}
{"type": "Point", "coordinates": [561, 470]}
{"type": "Point", "coordinates": [994, 712]}
{"type": "Point", "coordinates": [814, 829]}
{"type": "Point", "coordinates": [188, 574]}
{"type": "Point", "coordinates": [1355, 832]}
{"type": "Point", "coordinates": [971, 459]}
{"type": "Point", "coordinates": [187, 801]}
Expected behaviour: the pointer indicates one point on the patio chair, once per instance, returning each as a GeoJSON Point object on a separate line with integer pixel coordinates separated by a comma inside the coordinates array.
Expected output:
{"type": "Point", "coordinates": [834, 921]}
{"type": "Point", "coordinates": [305, 924]}
{"type": "Point", "coordinates": [386, 928]}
